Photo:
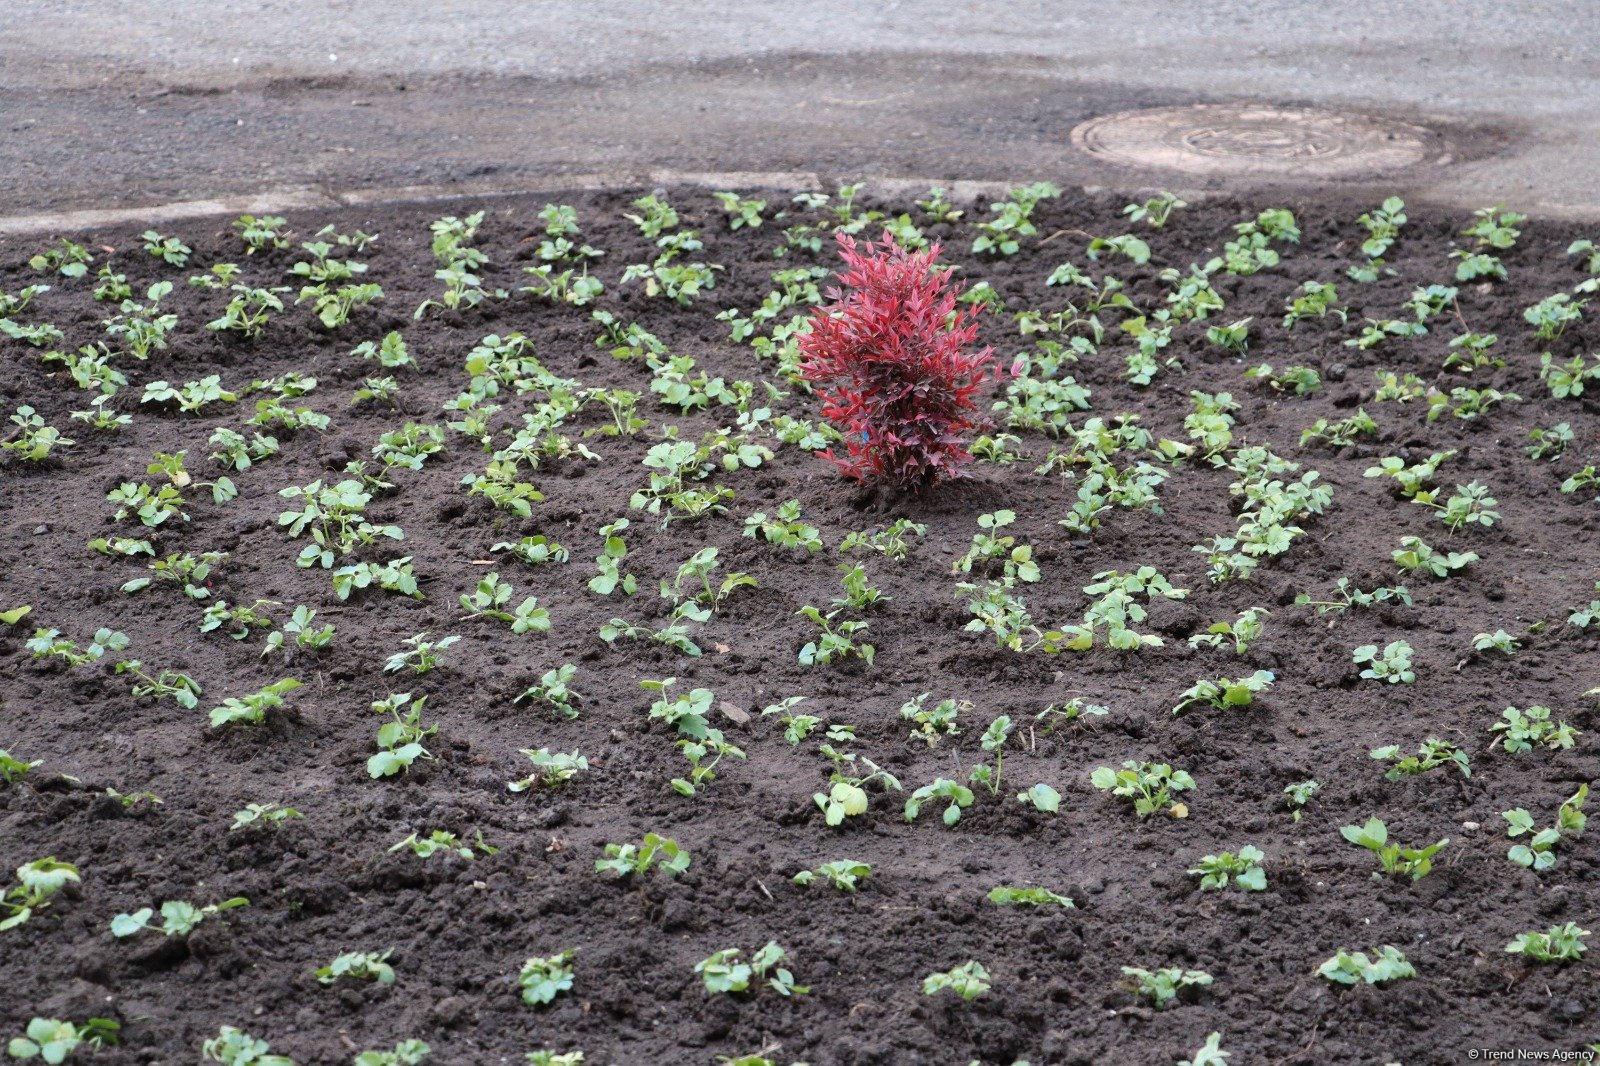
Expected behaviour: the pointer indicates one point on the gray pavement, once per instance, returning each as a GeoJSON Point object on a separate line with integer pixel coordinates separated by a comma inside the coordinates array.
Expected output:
{"type": "Point", "coordinates": [140, 102]}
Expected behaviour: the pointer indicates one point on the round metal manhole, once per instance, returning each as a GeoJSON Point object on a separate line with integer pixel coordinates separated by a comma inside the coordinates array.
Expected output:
{"type": "Point", "coordinates": [1244, 140]}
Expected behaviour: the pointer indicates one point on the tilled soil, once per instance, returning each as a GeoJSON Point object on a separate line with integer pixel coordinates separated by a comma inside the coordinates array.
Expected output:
{"type": "Point", "coordinates": [328, 883]}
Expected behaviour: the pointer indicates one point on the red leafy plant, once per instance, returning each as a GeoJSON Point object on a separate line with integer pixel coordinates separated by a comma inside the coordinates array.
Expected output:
{"type": "Point", "coordinates": [890, 357]}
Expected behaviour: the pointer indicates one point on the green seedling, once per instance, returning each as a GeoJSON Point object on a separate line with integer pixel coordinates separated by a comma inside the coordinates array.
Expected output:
{"type": "Point", "coordinates": [271, 816]}
{"type": "Point", "coordinates": [636, 860]}
{"type": "Point", "coordinates": [1561, 943]}
{"type": "Point", "coordinates": [844, 874]}
{"type": "Point", "coordinates": [1008, 896]}
{"type": "Point", "coordinates": [1244, 868]}
{"type": "Point", "coordinates": [1393, 664]}
{"type": "Point", "coordinates": [942, 788]}
{"type": "Point", "coordinates": [421, 656]}
{"type": "Point", "coordinates": [969, 981]}
{"type": "Point", "coordinates": [1350, 968]}
{"type": "Point", "coordinates": [554, 689]}
{"type": "Point", "coordinates": [1415, 863]}
{"type": "Point", "coordinates": [51, 1040]}
{"type": "Point", "coordinates": [230, 1047]}
{"type": "Point", "coordinates": [1163, 987]}
{"type": "Point", "coordinates": [1433, 754]}
{"type": "Point", "coordinates": [1149, 786]}
{"type": "Point", "coordinates": [1226, 692]}
{"type": "Point", "coordinates": [252, 709]}
{"type": "Point", "coordinates": [37, 884]}
{"type": "Point", "coordinates": [400, 739]}
{"type": "Point", "coordinates": [178, 918]}
{"type": "Point", "coordinates": [725, 972]}
{"type": "Point", "coordinates": [1524, 730]}
{"type": "Point", "coordinates": [359, 965]}
{"type": "Point", "coordinates": [1539, 852]}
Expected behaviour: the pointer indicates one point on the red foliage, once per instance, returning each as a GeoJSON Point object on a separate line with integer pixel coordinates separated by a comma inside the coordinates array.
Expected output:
{"type": "Point", "coordinates": [888, 360]}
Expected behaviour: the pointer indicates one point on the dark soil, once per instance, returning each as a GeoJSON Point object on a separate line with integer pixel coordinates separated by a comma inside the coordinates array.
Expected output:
{"type": "Point", "coordinates": [327, 884]}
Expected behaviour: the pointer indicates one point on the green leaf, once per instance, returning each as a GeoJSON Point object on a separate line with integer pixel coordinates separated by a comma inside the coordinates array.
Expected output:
{"type": "Point", "coordinates": [1042, 797]}
{"type": "Point", "coordinates": [124, 925]}
{"type": "Point", "coordinates": [15, 615]}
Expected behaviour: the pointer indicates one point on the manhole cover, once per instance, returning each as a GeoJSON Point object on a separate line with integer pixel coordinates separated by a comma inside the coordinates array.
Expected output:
{"type": "Point", "coordinates": [1240, 140]}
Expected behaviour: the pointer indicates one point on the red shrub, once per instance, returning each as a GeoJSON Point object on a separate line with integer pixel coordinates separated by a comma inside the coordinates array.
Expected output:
{"type": "Point", "coordinates": [887, 358]}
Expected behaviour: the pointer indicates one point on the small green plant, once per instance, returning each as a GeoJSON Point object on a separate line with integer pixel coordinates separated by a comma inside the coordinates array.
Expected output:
{"type": "Point", "coordinates": [1499, 640]}
{"type": "Point", "coordinates": [359, 965]}
{"type": "Point", "coordinates": [534, 550]}
{"type": "Point", "coordinates": [1549, 443]}
{"type": "Point", "coordinates": [1016, 560]}
{"type": "Point", "coordinates": [230, 1047]}
{"type": "Point", "coordinates": [931, 724]}
{"type": "Point", "coordinates": [725, 972]}
{"type": "Point", "coordinates": [37, 883]}
{"type": "Point", "coordinates": [1539, 852]}
{"type": "Point", "coordinates": [1149, 786]}
{"type": "Point", "coordinates": [52, 1041]}
{"type": "Point", "coordinates": [1383, 230]}
{"type": "Point", "coordinates": [1002, 235]}
{"type": "Point", "coordinates": [406, 1053]}
{"type": "Point", "coordinates": [1073, 710]}
{"type": "Point", "coordinates": [34, 440]}
{"type": "Point", "coordinates": [1432, 754]}
{"type": "Point", "coordinates": [1471, 505]}
{"type": "Point", "coordinates": [1009, 896]}
{"type": "Point", "coordinates": [1393, 664]}
{"type": "Point", "coordinates": [1226, 692]}
{"type": "Point", "coordinates": [170, 250]}
{"type": "Point", "coordinates": [1524, 730]}
{"type": "Point", "coordinates": [636, 860]}
{"type": "Point", "coordinates": [1350, 968]}
{"type": "Point", "coordinates": [847, 792]}
{"type": "Point", "coordinates": [399, 739]}
{"type": "Point", "coordinates": [835, 641]}
{"type": "Point", "coordinates": [442, 842]}
{"type": "Point", "coordinates": [271, 816]}
{"type": "Point", "coordinates": [489, 600]}
{"type": "Point", "coordinates": [50, 642]}
{"type": "Point", "coordinates": [704, 754]}
{"type": "Point", "coordinates": [994, 740]}
{"type": "Point", "coordinates": [1153, 212]}
{"type": "Point", "coordinates": [942, 788]}
{"type": "Point", "coordinates": [1561, 943]}
{"type": "Point", "coordinates": [575, 1058]}
{"type": "Point", "coordinates": [251, 709]}
{"type": "Point", "coordinates": [393, 576]}
{"type": "Point", "coordinates": [1163, 987]}
{"type": "Point", "coordinates": [152, 507]}
{"type": "Point", "coordinates": [543, 978]}
{"type": "Point", "coordinates": [1415, 554]}
{"type": "Point", "coordinates": [786, 529]}
{"type": "Point", "coordinates": [889, 541]}
{"type": "Point", "coordinates": [421, 656]}
{"type": "Point", "coordinates": [178, 918]}
{"type": "Point", "coordinates": [13, 770]}
{"type": "Point", "coordinates": [844, 874]}
{"type": "Point", "coordinates": [555, 689]}
{"type": "Point", "coordinates": [1467, 404]}
{"type": "Point", "coordinates": [1342, 433]}
{"type": "Point", "coordinates": [1415, 863]}
{"type": "Point", "coordinates": [1245, 868]}
{"type": "Point", "coordinates": [335, 515]}
{"type": "Point", "coordinates": [1210, 1053]}
{"type": "Point", "coordinates": [1241, 632]}
{"type": "Point", "coordinates": [741, 213]}
{"type": "Point", "coordinates": [969, 981]}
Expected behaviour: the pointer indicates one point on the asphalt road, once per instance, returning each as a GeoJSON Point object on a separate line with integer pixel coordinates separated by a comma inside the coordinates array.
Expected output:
{"type": "Point", "coordinates": [140, 102]}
